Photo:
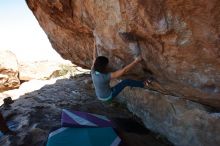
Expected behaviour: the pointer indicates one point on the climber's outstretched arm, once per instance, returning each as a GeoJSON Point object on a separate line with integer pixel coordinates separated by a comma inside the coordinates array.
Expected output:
{"type": "Point", "coordinates": [124, 70]}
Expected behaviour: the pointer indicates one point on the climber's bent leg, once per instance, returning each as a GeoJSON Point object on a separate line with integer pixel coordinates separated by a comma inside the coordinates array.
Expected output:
{"type": "Point", "coordinates": [120, 86]}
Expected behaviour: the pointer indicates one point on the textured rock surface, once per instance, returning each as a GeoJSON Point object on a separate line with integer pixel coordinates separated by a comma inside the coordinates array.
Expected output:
{"type": "Point", "coordinates": [179, 39]}
{"type": "Point", "coordinates": [183, 122]}
{"type": "Point", "coordinates": [8, 71]}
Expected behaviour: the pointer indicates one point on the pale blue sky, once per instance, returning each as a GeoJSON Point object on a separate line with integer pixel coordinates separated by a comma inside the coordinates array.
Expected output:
{"type": "Point", "coordinates": [21, 33]}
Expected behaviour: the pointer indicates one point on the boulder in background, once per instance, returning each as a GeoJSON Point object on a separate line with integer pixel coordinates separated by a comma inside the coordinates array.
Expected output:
{"type": "Point", "coordinates": [8, 71]}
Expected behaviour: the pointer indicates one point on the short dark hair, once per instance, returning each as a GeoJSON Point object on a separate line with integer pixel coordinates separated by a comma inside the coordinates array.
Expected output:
{"type": "Point", "coordinates": [100, 64]}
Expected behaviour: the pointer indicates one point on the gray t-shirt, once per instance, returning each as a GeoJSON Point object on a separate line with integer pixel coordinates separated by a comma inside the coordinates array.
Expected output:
{"type": "Point", "coordinates": [101, 82]}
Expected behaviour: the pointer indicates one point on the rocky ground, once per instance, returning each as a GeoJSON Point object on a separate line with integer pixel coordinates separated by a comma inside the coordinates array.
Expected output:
{"type": "Point", "coordinates": [38, 112]}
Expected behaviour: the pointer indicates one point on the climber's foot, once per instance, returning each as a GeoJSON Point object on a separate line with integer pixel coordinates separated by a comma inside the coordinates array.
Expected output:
{"type": "Point", "coordinates": [147, 83]}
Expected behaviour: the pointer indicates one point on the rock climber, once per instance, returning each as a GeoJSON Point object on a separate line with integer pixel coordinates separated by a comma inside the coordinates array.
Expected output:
{"type": "Point", "coordinates": [101, 77]}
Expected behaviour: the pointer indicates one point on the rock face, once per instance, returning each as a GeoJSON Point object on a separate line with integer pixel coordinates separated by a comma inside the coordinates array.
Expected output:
{"type": "Point", "coordinates": [183, 122]}
{"type": "Point", "coordinates": [179, 40]}
{"type": "Point", "coordinates": [8, 71]}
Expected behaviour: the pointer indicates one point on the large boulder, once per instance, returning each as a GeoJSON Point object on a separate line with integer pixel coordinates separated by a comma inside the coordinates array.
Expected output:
{"type": "Point", "coordinates": [43, 70]}
{"type": "Point", "coordinates": [8, 71]}
{"type": "Point", "coordinates": [179, 40]}
{"type": "Point", "coordinates": [183, 122]}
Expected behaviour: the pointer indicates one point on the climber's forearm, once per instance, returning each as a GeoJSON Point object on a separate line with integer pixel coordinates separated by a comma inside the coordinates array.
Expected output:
{"type": "Point", "coordinates": [129, 66]}
{"type": "Point", "coordinates": [124, 70]}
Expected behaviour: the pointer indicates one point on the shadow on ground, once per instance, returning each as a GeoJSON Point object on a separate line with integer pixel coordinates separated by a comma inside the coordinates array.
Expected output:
{"type": "Point", "coordinates": [39, 112]}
